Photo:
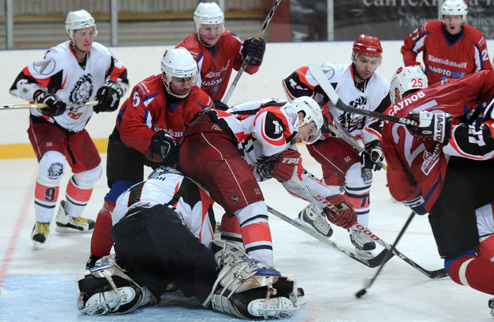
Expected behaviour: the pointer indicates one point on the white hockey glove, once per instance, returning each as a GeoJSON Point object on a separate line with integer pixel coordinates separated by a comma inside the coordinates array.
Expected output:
{"type": "Point", "coordinates": [164, 145]}
{"type": "Point", "coordinates": [54, 107]}
{"type": "Point", "coordinates": [108, 97]}
{"type": "Point", "coordinates": [417, 205]}
{"type": "Point", "coordinates": [431, 126]}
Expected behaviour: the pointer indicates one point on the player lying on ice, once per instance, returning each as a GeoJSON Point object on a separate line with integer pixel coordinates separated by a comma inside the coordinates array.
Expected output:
{"type": "Point", "coordinates": [163, 232]}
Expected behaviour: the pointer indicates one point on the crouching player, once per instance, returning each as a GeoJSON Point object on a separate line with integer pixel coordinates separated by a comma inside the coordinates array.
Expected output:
{"type": "Point", "coordinates": [163, 233]}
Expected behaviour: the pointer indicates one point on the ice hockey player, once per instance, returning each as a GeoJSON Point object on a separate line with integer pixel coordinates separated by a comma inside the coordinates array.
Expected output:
{"type": "Point", "coordinates": [451, 48]}
{"type": "Point", "coordinates": [424, 175]}
{"type": "Point", "coordinates": [149, 128]}
{"type": "Point", "coordinates": [360, 86]}
{"type": "Point", "coordinates": [252, 142]}
{"type": "Point", "coordinates": [72, 73]}
{"type": "Point", "coordinates": [163, 230]}
{"type": "Point", "coordinates": [219, 51]}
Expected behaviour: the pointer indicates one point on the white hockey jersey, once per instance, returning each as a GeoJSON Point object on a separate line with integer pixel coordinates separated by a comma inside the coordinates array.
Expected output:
{"type": "Point", "coordinates": [264, 128]}
{"type": "Point", "coordinates": [60, 73]}
{"type": "Point", "coordinates": [341, 77]}
{"type": "Point", "coordinates": [192, 204]}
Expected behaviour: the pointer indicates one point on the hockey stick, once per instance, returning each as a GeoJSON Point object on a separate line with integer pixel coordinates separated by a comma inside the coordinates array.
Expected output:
{"type": "Point", "coordinates": [371, 281]}
{"type": "Point", "coordinates": [247, 59]}
{"type": "Point", "coordinates": [33, 105]}
{"type": "Point", "coordinates": [372, 262]}
{"type": "Point", "coordinates": [352, 142]}
{"type": "Point", "coordinates": [326, 86]}
{"type": "Point", "coordinates": [440, 273]}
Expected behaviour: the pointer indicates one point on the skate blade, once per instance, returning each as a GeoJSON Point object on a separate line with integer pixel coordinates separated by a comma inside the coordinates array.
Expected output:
{"type": "Point", "coordinates": [70, 230]}
{"type": "Point", "coordinates": [366, 254]}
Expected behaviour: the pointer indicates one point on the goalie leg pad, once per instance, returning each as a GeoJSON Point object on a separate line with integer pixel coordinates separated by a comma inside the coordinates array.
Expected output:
{"type": "Point", "coordinates": [106, 289]}
{"type": "Point", "coordinates": [253, 304]}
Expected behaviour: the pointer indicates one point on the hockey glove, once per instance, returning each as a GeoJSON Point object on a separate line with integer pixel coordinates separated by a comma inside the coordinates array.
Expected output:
{"type": "Point", "coordinates": [254, 48]}
{"type": "Point", "coordinates": [417, 205]}
{"type": "Point", "coordinates": [166, 147]}
{"type": "Point", "coordinates": [53, 107]}
{"type": "Point", "coordinates": [431, 126]}
{"type": "Point", "coordinates": [345, 215]}
{"type": "Point", "coordinates": [108, 97]}
{"type": "Point", "coordinates": [372, 157]}
{"type": "Point", "coordinates": [283, 169]}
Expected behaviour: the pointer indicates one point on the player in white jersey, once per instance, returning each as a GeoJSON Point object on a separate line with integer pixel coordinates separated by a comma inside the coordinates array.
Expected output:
{"type": "Point", "coordinates": [163, 231]}
{"type": "Point", "coordinates": [252, 142]}
{"type": "Point", "coordinates": [359, 86]}
{"type": "Point", "coordinates": [72, 73]}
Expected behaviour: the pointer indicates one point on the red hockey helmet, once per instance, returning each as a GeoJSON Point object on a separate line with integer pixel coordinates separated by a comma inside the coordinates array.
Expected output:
{"type": "Point", "coordinates": [367, 45]}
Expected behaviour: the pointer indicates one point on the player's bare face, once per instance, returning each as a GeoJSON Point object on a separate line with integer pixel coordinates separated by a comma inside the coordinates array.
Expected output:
{"type": "Point", "coordinates": [181, 86]}
{"type": "Point", "coordinates": [83, 39]}
{"type": "Point", "coordinates": [210, 34]}
{"type": "Point", "coordinates": [306, 133]}
{"type": "Point", "coordinates": [453, 24]}
{"type": "Point", "coordinates": [365, 66]}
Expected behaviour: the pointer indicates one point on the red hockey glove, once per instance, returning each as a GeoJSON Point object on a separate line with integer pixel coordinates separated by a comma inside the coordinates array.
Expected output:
{"type": "Point", "coordinates": [345, 216]}
{"type": "Point", "coordinates": [282, 170]}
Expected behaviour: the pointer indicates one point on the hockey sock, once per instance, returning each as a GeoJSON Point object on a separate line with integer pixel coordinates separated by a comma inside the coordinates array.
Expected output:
{"type": "Point", "coordinates": [77, 197]}
{"type": "Point", "coordinates": [45, 201]}
{"type": "Point", "coordinates": [230, 230]}
{"type": "Point", "coordinates": [474, 271]}
{"type": "Point", "coordinates": [101, 240]}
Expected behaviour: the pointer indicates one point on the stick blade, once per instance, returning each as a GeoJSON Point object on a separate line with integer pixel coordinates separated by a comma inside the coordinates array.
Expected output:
{"type": "Point", "coordinates": [361, 293]}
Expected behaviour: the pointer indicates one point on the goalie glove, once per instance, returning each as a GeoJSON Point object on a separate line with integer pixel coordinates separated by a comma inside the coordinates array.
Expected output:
{"type": "Point", "coordinates": [164, 145]}
{"type": "Point", "coordinates": [431, 126]}
{"type": "Point", "coordinates": [344, 214]}
{"type": "Point", "coordinates": [417, 205]}
{"type": "Point", "coordinates": [254, 48]}
{"type": "Point", "coordinates": [54, 107]}
{"type": "Point", "coordinates": [108, 97]}
{"type": "Point", "coordinates": [372, 157]}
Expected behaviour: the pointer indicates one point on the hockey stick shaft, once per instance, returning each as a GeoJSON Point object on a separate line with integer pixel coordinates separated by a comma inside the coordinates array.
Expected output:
{"type": "Point", "coordinates": [373, 262]}
{"type": "Point", "coordinates": [247, 59]}
{"type": "Point", "coordinates": [352, 142]}
{"type": "Point", "coordinates": [440, 273]}
{"type": "Point", "coordinates": [33, 105]}
{"type": "Point", "coordinates": [371, 281]}
{"type": "Point", "coordinates": [326, 86]}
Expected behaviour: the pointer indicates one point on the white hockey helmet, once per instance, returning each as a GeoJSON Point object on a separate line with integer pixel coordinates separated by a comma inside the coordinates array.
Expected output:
{"type": "Point", "coordinates": [79, 19]}
{"type": "Point", "coordinates": [208, 14]}
{"type": "Point", "coordinates": [178, 63]}
{"type": "Point", "coordinates": [454, 8]}
{"type": "Point", "coordinates": [313, 114]}
{"type": "Point", "coordinates": [406, 79]}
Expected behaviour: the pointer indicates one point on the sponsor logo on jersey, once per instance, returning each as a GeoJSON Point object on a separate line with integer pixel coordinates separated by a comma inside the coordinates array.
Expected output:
{"type": "Point", "coordinates": [430, 159]}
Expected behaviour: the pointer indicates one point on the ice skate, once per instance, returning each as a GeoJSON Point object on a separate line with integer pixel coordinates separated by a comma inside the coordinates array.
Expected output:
{"type": "Point", "coordinates": [68, 224]}
{"type": "Point", "coordinates": [363, 244]}
{"type": "Point", "coordinates": [316, 220]}
{"type": "Point", "coordinates": [40, 233]}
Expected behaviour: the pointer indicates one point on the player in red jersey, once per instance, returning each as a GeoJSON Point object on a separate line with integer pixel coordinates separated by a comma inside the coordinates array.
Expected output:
{"type": "Point", "coordinates": [451, 48]}
{"type": "Point", "coordinates": [149, 128]}
{"type": "Point", "coordinates": [425, 176]}
{"type": "Point", "coordinates": [218, 51]}
{"type": "Point", "coordinates": [71, 74]}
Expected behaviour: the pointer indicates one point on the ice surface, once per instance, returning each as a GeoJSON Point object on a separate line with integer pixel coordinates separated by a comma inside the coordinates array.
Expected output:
{"type": "Point", "coordinates": [39, 285]}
